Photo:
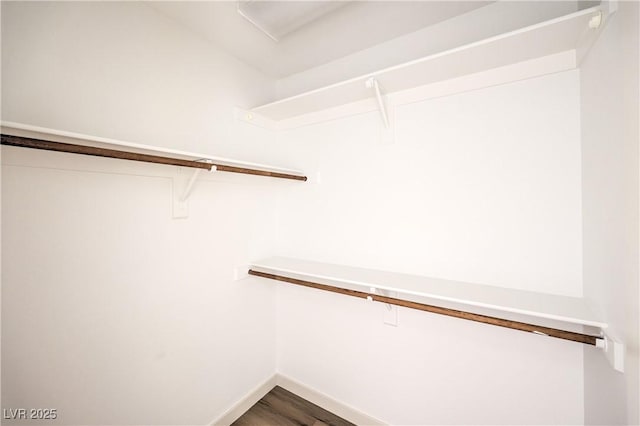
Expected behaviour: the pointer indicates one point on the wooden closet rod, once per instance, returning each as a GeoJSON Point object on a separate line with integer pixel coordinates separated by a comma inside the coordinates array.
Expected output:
{"type": "Point", "coordinates": [25, 142]}
{"type": "Point", "coordinates": [532, 328]}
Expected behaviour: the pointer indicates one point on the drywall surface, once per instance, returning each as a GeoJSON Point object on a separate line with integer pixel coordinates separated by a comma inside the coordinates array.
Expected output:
{"type": "Point", "coordinates": [482, 186]}
{"type": "Point", "coordinates": [112, 311]}
{"type": "Point", "coordinates": [609, 88]}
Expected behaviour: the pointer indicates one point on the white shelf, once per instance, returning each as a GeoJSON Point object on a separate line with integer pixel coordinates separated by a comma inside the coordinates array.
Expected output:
{"type": "Point", "coordinates": [540, 305]}
{"type": "Point", "coordinates": [25, 130]}
{"type": "Point", "coordinates": [570, 32]}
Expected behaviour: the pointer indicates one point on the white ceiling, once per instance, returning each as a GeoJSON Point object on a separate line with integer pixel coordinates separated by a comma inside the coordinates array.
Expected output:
{"type": "Point", "coordinates": [279, 18]}
{"type": "Point", "coordinates": [311, 40]}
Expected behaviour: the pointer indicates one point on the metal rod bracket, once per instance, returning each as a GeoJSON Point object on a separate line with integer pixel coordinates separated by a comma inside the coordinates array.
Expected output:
{"type": "Point", "coordinates": [194, 177]}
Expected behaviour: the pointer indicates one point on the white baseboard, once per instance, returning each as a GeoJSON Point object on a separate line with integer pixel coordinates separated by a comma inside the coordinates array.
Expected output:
{"type": "Point", "coordinates": [328, 403]}
{"type": "Point", "coordinates": [241, 406]}
{"type": "Point", "coordinates": [314, 396]}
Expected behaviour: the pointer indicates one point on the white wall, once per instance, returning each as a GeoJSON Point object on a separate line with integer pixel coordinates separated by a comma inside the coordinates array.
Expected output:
{"type": "Point", "coordinates": [609, 87]}
{"type": "Point", "coordinates": [482, 186]}
{"type": "Point", "coordinates": [114, 313]}
{"type": "Point", "coordinates": [125, 72]}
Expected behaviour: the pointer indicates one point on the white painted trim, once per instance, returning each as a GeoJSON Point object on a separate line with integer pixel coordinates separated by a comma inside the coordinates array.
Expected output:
{"type": "Point", "coordinates": [566, 309]}
{"type": "Point", "coordinates": [50, 160]}
{"type": "Point", "coordinates": [533, 68]}
{"type": "Point", "coordinates": [323, 400]}
{"type": "Point", "coordinates": [542, 39]}
{"type": "Point", "coordinates": [243, 404]}
{"type": "Point", "coordinates": [245, 116]}
{"type": "Point", "coordinates": [525, 70]}
{"type": "Point", "coordinates": [27, 130]}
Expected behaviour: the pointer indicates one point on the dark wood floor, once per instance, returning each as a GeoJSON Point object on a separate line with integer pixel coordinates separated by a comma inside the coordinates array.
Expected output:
{"type": "Point", "coordinates": [283, 408]}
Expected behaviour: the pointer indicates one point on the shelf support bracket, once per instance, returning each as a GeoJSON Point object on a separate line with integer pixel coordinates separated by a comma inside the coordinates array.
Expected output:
{"type": "Point", "coordinates": [614, 351]}
{"type": "Point", "coordinates": [180, 199]}
{"type": "Point", "coordinates": [192, 181]}
{"type": "Point", "coordinates": [372, 83]}
{"type": "Point", "coordinates": [595, 21]}
{"type": "Point", "coordinates": [390, 315]}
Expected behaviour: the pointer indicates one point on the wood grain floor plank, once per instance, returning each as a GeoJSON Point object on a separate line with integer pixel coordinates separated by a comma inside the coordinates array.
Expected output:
{"type": "Point", "coordinates": [313, 410]}
{"type": "Point", "coordinates": [283, 408]}
{"type": "Point", "coordinates": [260, 415]}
